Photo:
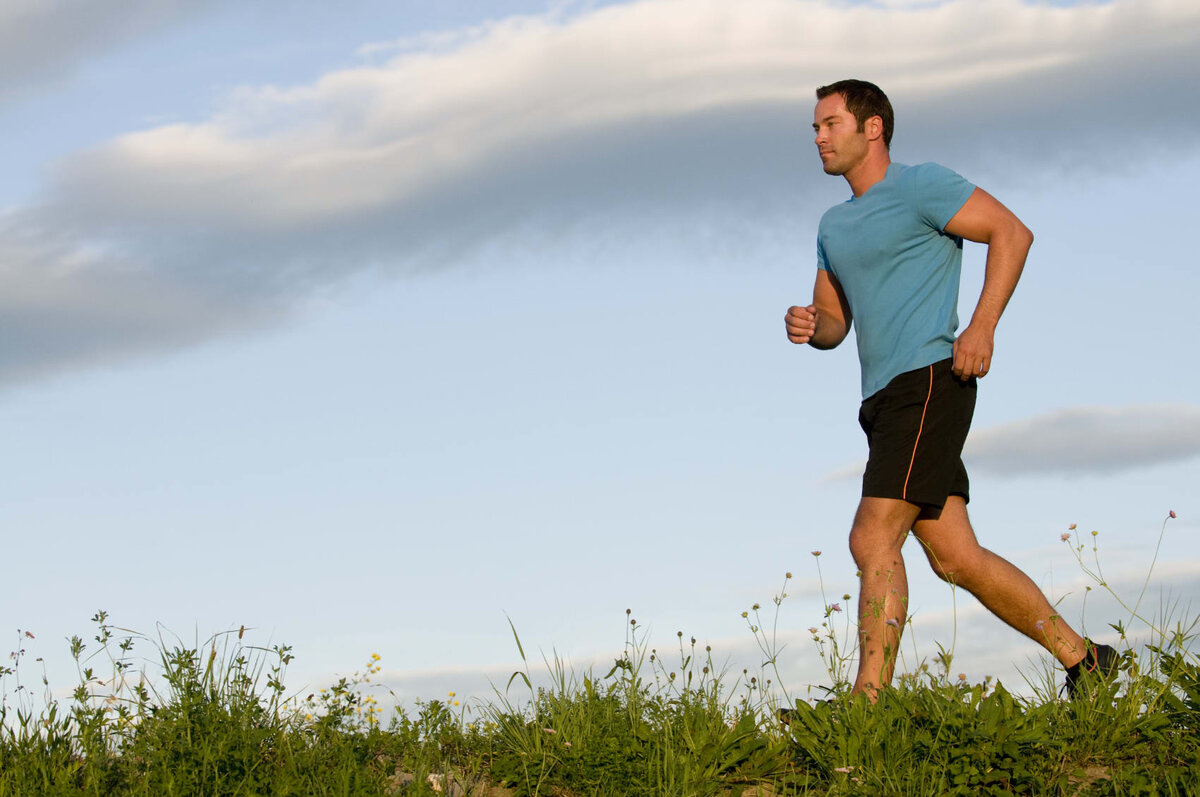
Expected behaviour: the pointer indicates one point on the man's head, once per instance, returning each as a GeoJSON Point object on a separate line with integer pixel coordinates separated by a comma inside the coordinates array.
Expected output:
{"type": "Point", "coordinates": [864, 100]}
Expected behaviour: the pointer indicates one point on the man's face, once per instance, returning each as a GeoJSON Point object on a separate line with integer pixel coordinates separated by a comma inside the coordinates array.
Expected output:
{"type": "Point", "coordinates": [839, 142]}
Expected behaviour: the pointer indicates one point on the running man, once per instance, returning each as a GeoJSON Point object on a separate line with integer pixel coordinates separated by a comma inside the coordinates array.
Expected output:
{"type": "Point", "coordinates": [888, 262]}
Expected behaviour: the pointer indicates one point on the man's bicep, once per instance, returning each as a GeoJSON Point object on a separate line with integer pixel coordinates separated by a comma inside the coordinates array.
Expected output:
{"type": "Point", "coordinates": [830, 299]}
{"type": "Point", "coordinates": [981, 217]}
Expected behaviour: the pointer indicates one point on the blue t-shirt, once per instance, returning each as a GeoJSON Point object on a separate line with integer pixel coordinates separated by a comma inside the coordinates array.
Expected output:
{"type": "Point", "coordinates": [898, 268]}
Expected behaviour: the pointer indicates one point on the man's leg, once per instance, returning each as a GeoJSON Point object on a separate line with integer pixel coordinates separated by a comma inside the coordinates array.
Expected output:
{"type": "Point", "coordinates": [880, 527]}
{"type": "Point", "coordinates": [957, 557]}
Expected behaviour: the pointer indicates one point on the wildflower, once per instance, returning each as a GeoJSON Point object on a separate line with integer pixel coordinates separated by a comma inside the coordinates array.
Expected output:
{"type": "Point", "coordinates": [962, 676]}
{"type": "Point", "coordinates": [451, 694]}
{"type": "Point", "coordinates": [550, 731]}
{"type": "Point", "coordinates": [1064, 537]}
{"type": "Point", "coordinates": [893, 622]}
{"type": "Point", "coordinates": [816, 553]}
{"type": "Point", "coordinates": [745, 615]}
{"type": "Point", "coordinates": [812, 630]}
{"type": "Point", "coordinates": [1171, 514]}
{"type": "Point", "coordinates": [787, 574]}
{"type": "Point", "coordinates": [1039, 624]}
{"type": "Point", "coordinates": [846, 597]}
{"type": "Point", "coordinates": [1094, 533]}
{"type": "Point", "coordinates": [755, 607]}
{"type": "Point", "coordinates": [835, 607]}
{"type": "Point", "coordinates": [844, 770]}
{"type": "Point", "coordinates": [375, 657]}
{"type": "Point", "coordinates": [1071, 527]}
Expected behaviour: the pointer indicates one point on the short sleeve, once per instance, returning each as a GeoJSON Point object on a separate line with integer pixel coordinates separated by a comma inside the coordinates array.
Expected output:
{"type": "Point", "coordinates": [822, 260]}
{"type": "Point", "coordinates": [938, 193]}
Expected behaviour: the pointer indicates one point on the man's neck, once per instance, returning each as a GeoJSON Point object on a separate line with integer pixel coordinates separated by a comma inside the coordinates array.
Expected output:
{"type": "Point", "coordinates": [869, 171]}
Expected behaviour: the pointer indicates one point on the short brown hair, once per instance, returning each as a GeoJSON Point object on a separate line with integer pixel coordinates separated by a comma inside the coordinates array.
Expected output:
{"type": "Point", "coordinates": [863, 100]}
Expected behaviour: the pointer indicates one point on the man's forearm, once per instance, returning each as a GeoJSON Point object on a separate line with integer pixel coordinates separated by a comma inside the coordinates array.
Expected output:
{"type": "Point", "coordinates": [829, 333]}
{"type": "Point", "coordinates": [1007, 251]}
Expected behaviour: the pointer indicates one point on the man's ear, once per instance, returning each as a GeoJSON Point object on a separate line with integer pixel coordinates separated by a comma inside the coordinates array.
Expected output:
{"type": "Point", "coordinates": [875, 127]}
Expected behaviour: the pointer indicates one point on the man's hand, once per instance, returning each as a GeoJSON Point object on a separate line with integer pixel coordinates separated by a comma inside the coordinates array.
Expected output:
{"type": "Point", "coordinates": [801, 323]}
{"type": "Point", "coordinates": [822, 328]}
{"type": "Point", "coordinates": [973, 352]}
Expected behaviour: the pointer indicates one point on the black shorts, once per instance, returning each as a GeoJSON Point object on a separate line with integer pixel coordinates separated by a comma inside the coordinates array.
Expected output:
{"type": "Point", "coordinates": [916, 427]}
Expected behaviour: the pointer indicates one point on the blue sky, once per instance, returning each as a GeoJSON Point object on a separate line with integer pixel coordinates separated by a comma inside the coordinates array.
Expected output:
{"type": "Point", "coordinates": [371, 328]}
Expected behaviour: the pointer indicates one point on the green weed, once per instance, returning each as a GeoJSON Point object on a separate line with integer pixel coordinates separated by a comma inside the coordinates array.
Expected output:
{"type": "Point", "coordinates": [158, 716]}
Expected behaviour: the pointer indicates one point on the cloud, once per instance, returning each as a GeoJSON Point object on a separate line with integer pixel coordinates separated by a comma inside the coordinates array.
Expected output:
{"type": "Point", "coordinates": [1080, 441]}
{"type": "Point", "coordinates": [635, 118]}
{"type": "Point", "coordinates": [979, 643]}
{"type": "Point", "coordinates": [1089, 440]}
{"type": "Point", "coordinates": [46, 40]}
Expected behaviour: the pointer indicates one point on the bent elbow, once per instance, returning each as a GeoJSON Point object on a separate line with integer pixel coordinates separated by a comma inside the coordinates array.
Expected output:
{"type": "Point", "coordinates": [1019, 232]}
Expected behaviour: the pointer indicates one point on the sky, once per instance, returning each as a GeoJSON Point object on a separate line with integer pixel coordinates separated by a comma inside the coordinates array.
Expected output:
{"type": "Point", "coordinates": [376, 328]}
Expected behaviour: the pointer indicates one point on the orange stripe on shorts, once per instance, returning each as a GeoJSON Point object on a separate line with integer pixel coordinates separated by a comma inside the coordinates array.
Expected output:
{"type": "Point", "coordinates": [920, 429]}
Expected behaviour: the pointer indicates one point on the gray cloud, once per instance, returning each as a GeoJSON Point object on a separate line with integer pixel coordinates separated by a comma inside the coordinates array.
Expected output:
{"type": "Point", "coordinates": [641, 114]}
{"type": "Point", "coordinates": [46, 40]}
{"type": "Point", "coordinates": [1087, 440]}
{"type": "Point", "coordinates": [1080, 441]}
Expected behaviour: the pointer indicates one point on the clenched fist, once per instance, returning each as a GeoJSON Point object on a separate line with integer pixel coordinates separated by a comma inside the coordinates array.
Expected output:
{"type": "Point", "coordinates": [801, 323]}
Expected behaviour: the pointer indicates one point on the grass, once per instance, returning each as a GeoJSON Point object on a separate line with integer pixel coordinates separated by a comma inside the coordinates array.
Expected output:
{"type": "Point", "coordinates": [213, 718]}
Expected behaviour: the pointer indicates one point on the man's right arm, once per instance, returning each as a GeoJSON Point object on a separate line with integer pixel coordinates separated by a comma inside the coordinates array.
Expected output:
{"type": "Point", "coordinates": [824, 323]}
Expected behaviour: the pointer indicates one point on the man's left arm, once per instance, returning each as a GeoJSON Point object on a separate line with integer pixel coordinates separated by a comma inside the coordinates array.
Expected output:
{"type": "Point", "coordinates": [984, 220]}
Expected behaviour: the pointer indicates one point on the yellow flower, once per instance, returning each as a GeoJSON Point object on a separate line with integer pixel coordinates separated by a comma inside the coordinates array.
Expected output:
{"type": "Point", "coordinates": [375, 657]}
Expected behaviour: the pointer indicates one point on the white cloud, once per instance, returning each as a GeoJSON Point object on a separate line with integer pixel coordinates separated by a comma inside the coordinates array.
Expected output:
{"type": "Point", "coordinates": [421, 123]}
{"type": "Point", "coordinates": [647, 110]}
{"type": "Point", "coordinates": [980, 644]}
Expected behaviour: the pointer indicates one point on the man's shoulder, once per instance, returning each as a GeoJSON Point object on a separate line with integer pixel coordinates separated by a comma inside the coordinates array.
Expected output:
{"type": "Point", "coordinates": [926, 174]}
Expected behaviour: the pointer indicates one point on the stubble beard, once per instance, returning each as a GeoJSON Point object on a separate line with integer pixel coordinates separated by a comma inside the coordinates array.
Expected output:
{"type": "Point", "coordinates": [832, 167]}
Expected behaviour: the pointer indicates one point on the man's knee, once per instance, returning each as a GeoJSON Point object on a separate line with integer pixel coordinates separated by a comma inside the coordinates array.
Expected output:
{"type": "Point", "coordinates": [880, 528]}
{"type": "Point", "coordinates": [873, 547]}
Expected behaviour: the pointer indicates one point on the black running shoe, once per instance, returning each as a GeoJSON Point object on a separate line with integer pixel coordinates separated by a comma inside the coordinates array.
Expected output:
{"type": "Point", "coordinates": [1098, 665]}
